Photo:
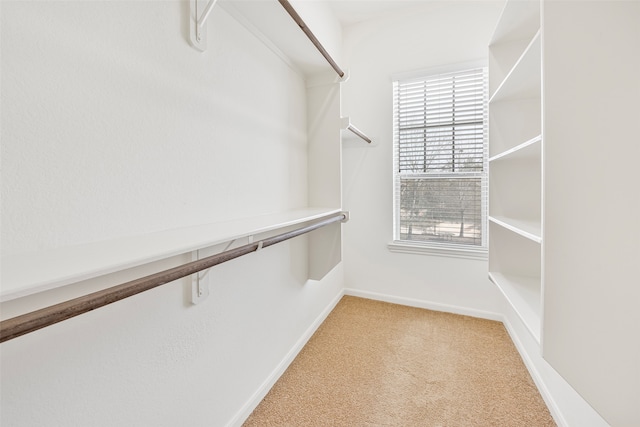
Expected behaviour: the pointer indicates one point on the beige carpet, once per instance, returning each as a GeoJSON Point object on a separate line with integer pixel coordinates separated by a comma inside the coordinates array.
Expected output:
{"type": "Point", "coordinates": [378, 364]}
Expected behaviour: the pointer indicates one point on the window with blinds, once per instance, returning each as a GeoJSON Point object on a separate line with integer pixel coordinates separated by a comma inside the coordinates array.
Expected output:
{"type": "Point", "coordinates": [440, 159]}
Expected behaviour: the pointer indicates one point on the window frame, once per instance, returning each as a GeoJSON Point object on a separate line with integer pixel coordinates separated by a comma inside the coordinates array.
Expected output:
{"type": "Point", "coordinates": [455, 250]}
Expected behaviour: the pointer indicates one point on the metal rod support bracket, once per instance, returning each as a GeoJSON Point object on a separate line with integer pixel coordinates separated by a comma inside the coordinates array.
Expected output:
{"type": "Point", "coordinates": [199, 282]}
{"type": "Point", "coordinates": [347, 125]}
{"type": "Point", "coordinates": [199, 12]}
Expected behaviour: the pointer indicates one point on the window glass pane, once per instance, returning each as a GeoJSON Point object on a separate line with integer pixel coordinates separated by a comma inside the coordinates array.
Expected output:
{"type": "Point", "coordinates": [444, 210]}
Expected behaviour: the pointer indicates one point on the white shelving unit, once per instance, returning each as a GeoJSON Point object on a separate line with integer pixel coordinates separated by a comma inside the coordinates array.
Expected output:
{"type": "Point", "coordinates": [36, 272]}
{"type": "Point", "coordinates": [515, 160]}
{"type": "Point", "coordinates": [563, 218]}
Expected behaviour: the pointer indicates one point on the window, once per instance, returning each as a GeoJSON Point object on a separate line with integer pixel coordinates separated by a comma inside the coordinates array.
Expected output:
{"type": "Point", "coordinates": [440, 160]}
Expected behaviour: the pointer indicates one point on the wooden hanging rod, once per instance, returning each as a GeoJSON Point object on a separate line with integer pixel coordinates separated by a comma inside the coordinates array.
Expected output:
{"type": "Point", "coordinates": [30, 322]}
{"type": "Point", "coordinates": [287, 6]}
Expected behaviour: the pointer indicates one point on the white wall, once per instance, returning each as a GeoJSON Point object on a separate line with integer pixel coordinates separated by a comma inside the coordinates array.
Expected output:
{"type": "Point", "coordinates": [112, 126]}
{"type": "Point", "coordinates": [591, 323]}
{"type": "Point", "coordinates": [431, 35]}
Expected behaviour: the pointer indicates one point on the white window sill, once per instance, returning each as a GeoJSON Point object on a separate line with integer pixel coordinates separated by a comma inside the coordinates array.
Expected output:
{"type": "Point", "coordinates": [450, 251]}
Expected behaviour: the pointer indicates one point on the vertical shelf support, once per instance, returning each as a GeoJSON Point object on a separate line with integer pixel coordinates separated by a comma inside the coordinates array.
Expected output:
{"type": "Point", "coordinates": [199, 282]}
{"type": "Point", "coordinates": [198, 16]}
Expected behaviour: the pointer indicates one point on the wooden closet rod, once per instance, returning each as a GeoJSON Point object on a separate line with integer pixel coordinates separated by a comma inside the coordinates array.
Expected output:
{"type": "Point", "coordinates": [29, 322]}
{"type": "Point", "coordinates": [287, 6]}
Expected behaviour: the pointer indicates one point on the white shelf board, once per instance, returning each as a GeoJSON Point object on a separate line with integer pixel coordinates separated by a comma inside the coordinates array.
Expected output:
{"type": "Point", "coordinates": [525, 228]}
{"type": "Point", "coordinates": [524, 295]}
{"type": "Point", "coordinates": [527, 150]}
{"type": "Point", "coordinates": [502, 58]}
{"type": "Point", "coordinates": [524, 80]}
{"type": "Point", "coordinates": [519, 19]}
{"type": "Point", "coordinates": [30, 273]}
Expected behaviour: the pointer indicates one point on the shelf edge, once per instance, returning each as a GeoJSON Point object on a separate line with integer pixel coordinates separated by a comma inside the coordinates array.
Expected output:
{"type": "Point", "coordinates": [506, 15]}
{"type": "Point", "coordinates": [526, 234]}
{"type": "Point", "coordinates": [496, 95]}
{"type": "Point", "coordinates": [67, 276]}
{"type": "Point", "coordinates": [519, 147]}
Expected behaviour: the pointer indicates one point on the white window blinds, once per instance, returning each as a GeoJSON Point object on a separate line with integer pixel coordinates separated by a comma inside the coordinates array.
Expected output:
{"type": "Point", "coordinates": [440, 158]}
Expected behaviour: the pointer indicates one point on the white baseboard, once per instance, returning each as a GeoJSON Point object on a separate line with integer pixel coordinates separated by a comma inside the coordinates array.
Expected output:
{"type": "Point", "coordinates": [528, 359]}
{"type": "Point", "coordinates": [429, 305]}
{"type": "Point", "coordinates": [566, 406]}
{"type": "Point", "coordinates": [262, 391]}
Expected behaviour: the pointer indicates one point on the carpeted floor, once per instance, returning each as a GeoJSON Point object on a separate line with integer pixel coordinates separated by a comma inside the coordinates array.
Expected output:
{"type": "Point", "coordinates": [378, 364]}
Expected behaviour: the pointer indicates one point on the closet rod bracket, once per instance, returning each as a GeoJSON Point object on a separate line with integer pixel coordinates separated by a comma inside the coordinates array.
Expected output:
{"type": "Point", "coordinates": [345, 124]}
{"type": "Point", "coordinates": [199, 282]}
{"type": "Point", "coordinates": [199, 12]}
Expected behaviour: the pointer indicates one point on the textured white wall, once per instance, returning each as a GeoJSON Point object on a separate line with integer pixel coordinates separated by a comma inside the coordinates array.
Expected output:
{"type": "Point", "coordinates": [432, 35]}
{"type": "Point", "coordinates": [113, 125]}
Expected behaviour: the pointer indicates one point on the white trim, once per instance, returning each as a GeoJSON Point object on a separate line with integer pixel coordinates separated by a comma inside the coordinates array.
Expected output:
{"type": "Point", "coordinates": [535, 375]}
{"type": "Point", "coordinates": [405, 247]}
{"type": "Point", "coordinates": [246, 410]}
{"type": "Point", "coordinates": [429, 305]}
{"type": "Point", "coordinates": [444, 69]}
